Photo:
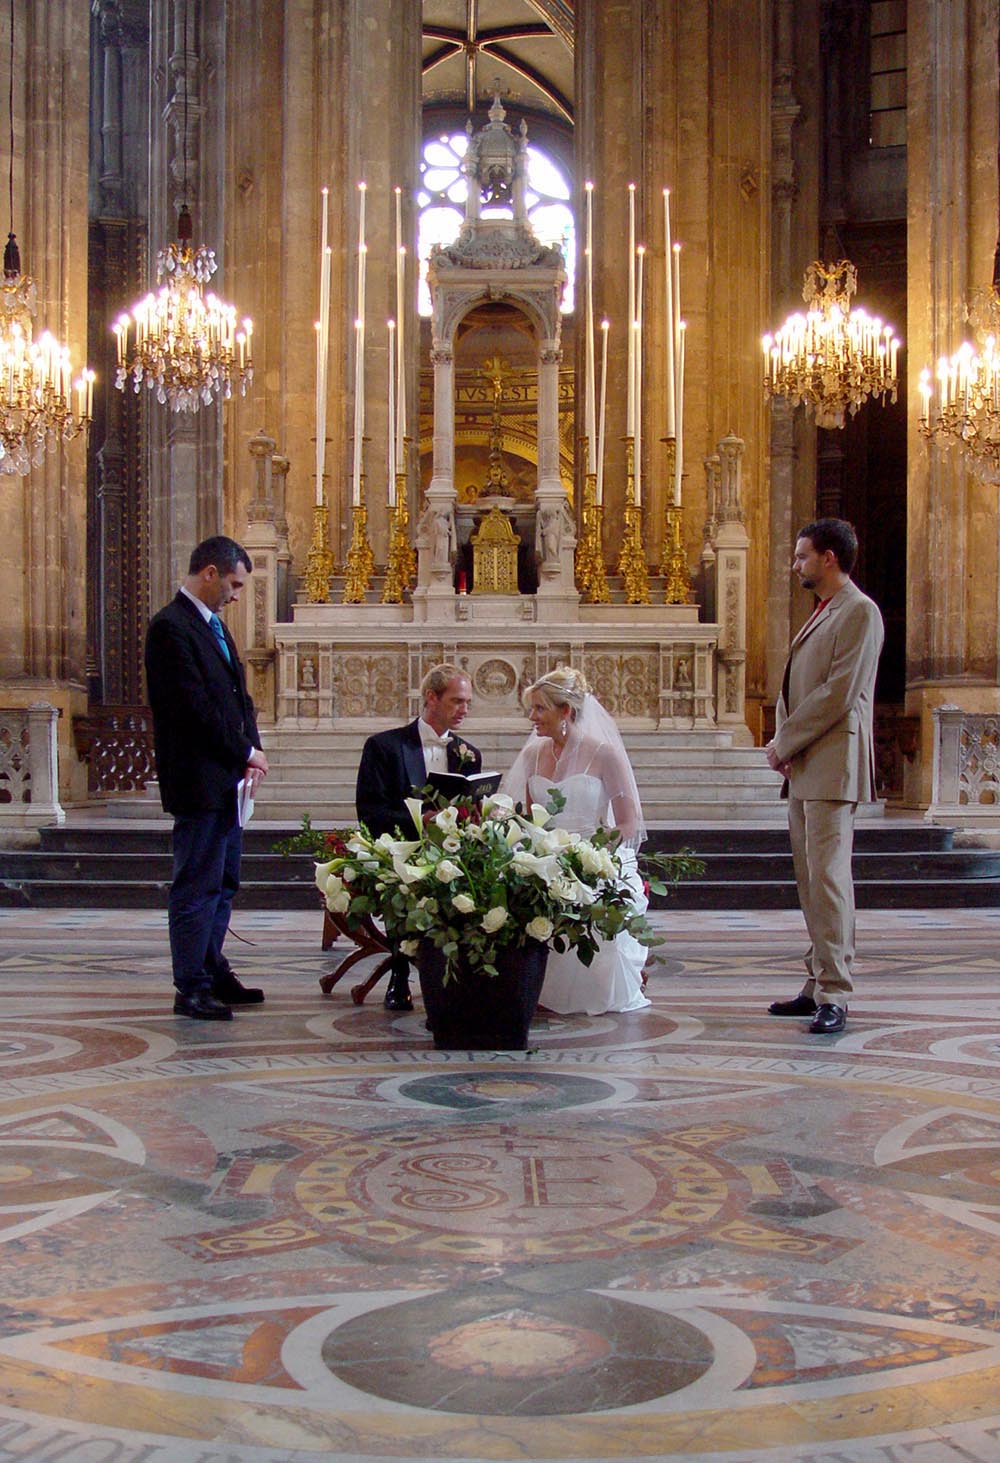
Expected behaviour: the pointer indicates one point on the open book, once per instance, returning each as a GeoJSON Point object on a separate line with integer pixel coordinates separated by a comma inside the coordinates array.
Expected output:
{"type": "Point", "coordinates": [458, 785]}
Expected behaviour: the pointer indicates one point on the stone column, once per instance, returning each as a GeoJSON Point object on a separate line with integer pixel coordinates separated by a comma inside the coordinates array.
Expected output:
{"type": "Point", "coordinates": [43, 516]}
{"type": "Point", "coordinates": [731, 548]}
{"type": "Point", "coordinates": [952, 552]}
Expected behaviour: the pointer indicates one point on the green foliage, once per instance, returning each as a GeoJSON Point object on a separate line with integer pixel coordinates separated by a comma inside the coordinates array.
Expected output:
{"type": "Point", "coordinates": [476, 876]}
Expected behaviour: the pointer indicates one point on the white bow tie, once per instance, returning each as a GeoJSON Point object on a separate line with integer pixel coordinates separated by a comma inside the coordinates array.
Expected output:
{"type": "Point", "coordinates": [433, 741]}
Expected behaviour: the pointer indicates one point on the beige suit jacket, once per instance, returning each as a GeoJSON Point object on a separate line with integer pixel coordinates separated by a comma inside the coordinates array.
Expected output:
{"type": "Point", "coordinates": [825, 728]}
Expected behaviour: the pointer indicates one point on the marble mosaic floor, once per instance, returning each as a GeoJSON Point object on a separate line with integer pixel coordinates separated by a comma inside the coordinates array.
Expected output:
{"type": "Point", "coordinates": [694, 1232]}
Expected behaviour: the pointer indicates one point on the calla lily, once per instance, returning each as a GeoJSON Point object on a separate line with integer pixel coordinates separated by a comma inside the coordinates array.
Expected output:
{"type": "Point", "coordinates": [415, 808]}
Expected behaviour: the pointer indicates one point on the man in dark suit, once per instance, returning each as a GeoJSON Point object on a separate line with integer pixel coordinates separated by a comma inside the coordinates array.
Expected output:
{"type": "Point", "coordinates": [206, 741]}
{"type": "Point", "coordinates": [395, 763]}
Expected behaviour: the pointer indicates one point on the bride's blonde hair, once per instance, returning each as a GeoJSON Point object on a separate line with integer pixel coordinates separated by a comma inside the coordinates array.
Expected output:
{"type": "Point", "coordinates": [563, 686]}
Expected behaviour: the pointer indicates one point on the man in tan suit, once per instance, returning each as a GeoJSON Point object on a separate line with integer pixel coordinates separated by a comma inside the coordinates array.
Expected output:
{"type": "Point", "coordinates": [824, 747]}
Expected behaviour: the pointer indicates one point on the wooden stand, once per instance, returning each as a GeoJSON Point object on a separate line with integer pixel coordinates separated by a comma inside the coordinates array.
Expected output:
{"type": "Point", "coordinates": [367, 940]}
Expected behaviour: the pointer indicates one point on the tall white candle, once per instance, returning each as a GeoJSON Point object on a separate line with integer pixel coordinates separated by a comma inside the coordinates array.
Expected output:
{"type": "Point", "coordinates": [677, 311]}
{"type": "Point", "coordinates": [641, 259]}
{"type": "Point", "coordinates": [322, 345]}
{"type": "Point", "coordinates": [668, 254]}
{"type": "Point", "coordinates": [599, 494]}
{"type": "Point", "coordinates": [589, 408]}
{"type": "Point", "coordinates": [678, 465]}
{"type": "Point", "coordinates": [359, 354]}
{"type": "Point", "coordinates": [400, 423]}
{"type": "Point", "coordinates": [391, 433]}
{"type": "Point", "coordinates": [630, 385]}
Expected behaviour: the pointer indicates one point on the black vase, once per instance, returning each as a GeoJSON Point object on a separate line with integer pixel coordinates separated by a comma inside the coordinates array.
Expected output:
{"type": "Point", "coordinates": [477, 1012]}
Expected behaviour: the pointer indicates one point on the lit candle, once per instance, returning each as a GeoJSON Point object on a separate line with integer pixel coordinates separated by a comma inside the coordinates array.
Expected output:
{"type": "Point", "coordinates": [589, 409]}
{"type": "Point", "coordinates": [630, 385]}
{"type": "Point", "coordinates": [669, 303]}
{"type": "Point", "coordinates": [641, 259]}
{"type": "Point", "coordinates": [678, 464]}
{"type": "Point", "coordinates": [392, 413]}
{"type": "Point", "coordinates": [925, 393]}
{"type": "Point", "coordinates": [599, 494]}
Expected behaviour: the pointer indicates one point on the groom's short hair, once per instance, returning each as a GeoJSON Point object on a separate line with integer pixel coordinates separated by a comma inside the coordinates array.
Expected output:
{"type": "Point", "coordinates": [438, 677]}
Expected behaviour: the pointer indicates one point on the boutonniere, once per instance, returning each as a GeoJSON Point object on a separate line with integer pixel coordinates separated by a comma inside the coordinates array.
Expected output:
{"type": "Point", "coordinates": [463, 754]}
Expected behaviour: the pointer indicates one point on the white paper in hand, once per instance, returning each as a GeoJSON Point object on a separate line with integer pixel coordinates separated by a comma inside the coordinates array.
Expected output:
{"type": "Point", "coordinates": [244, 800]}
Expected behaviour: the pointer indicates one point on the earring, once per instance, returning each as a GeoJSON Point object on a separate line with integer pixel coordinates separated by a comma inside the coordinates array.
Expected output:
{"type": "Point", "coordinates": [563, 728]}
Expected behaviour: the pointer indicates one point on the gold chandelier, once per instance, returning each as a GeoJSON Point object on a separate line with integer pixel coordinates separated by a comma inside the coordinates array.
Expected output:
{"type": "Point", "coordinates": [967, 415]}
{"type": "Point", "coordinates": [36, 404]}
{"type": "Point", "coordinates": [832, 358]}
{"type": "Point", "coordinates": [187, 346]}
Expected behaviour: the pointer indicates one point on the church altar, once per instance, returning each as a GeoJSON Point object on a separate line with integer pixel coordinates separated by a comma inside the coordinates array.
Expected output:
{"type": "Point", "coordinates": [317, 661]}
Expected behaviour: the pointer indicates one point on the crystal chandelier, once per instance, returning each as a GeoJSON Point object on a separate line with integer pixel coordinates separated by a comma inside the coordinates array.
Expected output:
{"type": "Point", "coordinates": [832, 358]}
{"type": "Point", "coordinates": [967, 412]}
{"type": "Point", "coordinates": [187, 346]}
{"type": "Point", "coordinates": [36, 405]}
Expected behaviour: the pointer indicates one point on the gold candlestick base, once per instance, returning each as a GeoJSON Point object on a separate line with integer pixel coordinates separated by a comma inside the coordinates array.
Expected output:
{"type": "Point", "coordinates": [401, 565]}
{"type": "Point", "coordinates": [673, 566]}
{"type": "Point", "coordinates": [320, 563]}
{"type": "Point", "coordinates": [360, 558]}
{"type": "Point", "coordinates": [591, 575]}
{"type": "Point", "coordinates": [632, 562]}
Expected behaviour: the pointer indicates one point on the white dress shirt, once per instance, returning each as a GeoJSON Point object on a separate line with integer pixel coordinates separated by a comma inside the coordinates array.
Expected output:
{"type": "Point", "coordinates": [435, 747]}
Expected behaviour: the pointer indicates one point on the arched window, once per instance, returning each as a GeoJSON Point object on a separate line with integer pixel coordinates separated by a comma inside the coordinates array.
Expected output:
{"type": "Point", "coordinates": [441, 201]}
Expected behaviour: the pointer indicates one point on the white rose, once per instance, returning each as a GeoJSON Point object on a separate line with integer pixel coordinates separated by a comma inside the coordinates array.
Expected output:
{"type": "Point", "coordinates": [493, 919]}
{"type": "Point", "coordinates": [540, 928]}
{"type": "Point", "coordinates": [348, 874]}
{"type": "Point", "coordinates": [463, 903]}
{"type": "Point", "coordinates": [499, 806]}
{"type": "Point", "coordinates": [447, 820]}
{"type": "Point", "coordinates": [338, 901]}
{"type": "Point", "coordinates": [446, 871]}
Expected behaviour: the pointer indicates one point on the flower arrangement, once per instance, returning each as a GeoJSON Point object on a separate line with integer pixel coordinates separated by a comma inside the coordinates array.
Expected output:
{"type": "Point", "coordinates": [480, 875]}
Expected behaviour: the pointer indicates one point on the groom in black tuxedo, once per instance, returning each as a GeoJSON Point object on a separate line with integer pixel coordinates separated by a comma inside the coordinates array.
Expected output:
{"type": "Point", "coordinates": [396, 763]}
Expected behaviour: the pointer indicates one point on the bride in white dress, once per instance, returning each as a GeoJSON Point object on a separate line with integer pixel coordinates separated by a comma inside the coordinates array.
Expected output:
{"type": "Point", "coordinates": [577, 748]}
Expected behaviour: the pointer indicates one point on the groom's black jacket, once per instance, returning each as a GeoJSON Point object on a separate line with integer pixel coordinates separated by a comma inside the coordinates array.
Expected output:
{"type": "Point", "coordinates": [392, 768]}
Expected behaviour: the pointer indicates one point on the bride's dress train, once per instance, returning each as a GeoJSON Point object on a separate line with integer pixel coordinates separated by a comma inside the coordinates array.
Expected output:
{"type": "Point", "coordinates": [613, 982]}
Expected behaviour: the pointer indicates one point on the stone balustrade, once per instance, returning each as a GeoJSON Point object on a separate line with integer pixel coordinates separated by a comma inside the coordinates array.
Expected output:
{"type": "Point", "coordinates": [966, 774]}
{"type": "Point", "coordinates": [29, 766]}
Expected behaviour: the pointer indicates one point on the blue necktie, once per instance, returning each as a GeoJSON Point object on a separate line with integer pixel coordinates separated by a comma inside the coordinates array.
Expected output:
{"type": "Point", "coordinates": [216, 625]}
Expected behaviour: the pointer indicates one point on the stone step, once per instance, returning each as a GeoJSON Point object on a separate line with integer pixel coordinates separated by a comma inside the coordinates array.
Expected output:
{"type": "Point", "coordinates": [900, 863]}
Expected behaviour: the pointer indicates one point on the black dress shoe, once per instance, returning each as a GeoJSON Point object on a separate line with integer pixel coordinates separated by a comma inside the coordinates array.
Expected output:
{"type": "Point", "coordinates": [229, 989]}
{"type": "Point", "coordinates": [397, 994]}
{"type": "Point", "coordinates": [828, 1019]}
{"type": "Point", "coordinates": [201, 1006]}
{"type": "Point", "coordinates": [802, 1005]}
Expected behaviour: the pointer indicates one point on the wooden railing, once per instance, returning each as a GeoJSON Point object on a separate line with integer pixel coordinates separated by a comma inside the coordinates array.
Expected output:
{"type": "Point", "coordinates": [116, 742]}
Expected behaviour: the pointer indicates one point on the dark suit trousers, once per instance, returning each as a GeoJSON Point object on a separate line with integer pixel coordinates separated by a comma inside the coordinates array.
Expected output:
{"type": "Point", "coordinates": [207, 850]}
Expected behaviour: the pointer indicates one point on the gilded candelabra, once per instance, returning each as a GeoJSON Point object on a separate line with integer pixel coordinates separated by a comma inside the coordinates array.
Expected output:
{"type": "Point", "coordinates": [673, 566]}
{"type": "Point", "coordinates": [591, 574]}
{"type": "Point", "coordinates": [632, 563]}
{"type": "Point", "coordinates": [401, 565]}
{"type": "Point", "coordinates": [320, 563]}
{"type": "Point", "coordinates": [360, 558]}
